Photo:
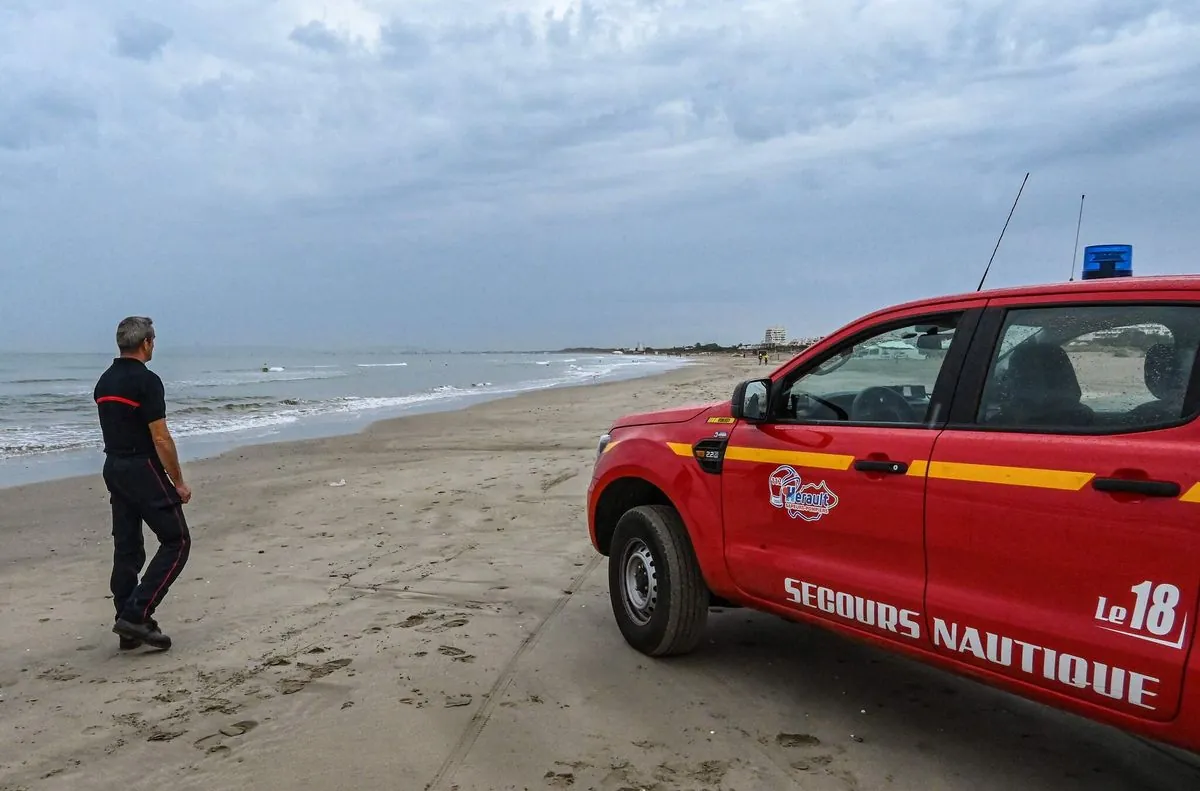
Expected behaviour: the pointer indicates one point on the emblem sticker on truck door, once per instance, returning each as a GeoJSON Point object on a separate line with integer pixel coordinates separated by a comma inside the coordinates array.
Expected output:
{"type": "Point", "coordinates": [807, 501]}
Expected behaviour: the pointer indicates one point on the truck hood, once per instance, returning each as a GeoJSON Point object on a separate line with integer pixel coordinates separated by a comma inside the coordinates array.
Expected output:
{"type": "Point", "coordinates": [675, 415]}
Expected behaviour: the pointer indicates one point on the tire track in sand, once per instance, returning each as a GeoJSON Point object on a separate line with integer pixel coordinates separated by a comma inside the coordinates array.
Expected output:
{"type": "Point", "coordinates": [475, 727]}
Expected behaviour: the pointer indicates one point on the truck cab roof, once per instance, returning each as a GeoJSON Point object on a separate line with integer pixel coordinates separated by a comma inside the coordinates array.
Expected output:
{"type": "Point", "coordinates": [1099, 286]}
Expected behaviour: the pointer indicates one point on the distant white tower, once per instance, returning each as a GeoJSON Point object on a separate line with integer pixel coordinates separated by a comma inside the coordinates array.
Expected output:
{"type": "Point", "coordinates": [775, 336]}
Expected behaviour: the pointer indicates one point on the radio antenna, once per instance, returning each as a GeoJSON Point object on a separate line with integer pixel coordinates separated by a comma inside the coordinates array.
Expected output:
{"type": "Point", "coordinates": [1078, 225]}
{"type": "Point", "coordinates": [1002, 230]}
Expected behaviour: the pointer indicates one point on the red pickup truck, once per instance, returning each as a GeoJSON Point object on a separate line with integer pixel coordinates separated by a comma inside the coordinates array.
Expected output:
{"type": "Point", "coordinates": [1005, 484]}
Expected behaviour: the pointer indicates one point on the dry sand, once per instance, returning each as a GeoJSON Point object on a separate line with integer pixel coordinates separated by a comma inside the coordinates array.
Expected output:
{"type": "Point", "coordinates": [441, 621]}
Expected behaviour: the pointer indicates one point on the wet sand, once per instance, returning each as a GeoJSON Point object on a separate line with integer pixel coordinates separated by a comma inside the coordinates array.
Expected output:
{"type": "Point", "coordinates": [441, 621]}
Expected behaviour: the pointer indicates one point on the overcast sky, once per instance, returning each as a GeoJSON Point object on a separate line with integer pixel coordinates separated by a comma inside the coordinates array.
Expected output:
{"type": "Point", "coordinates": [507, 173]}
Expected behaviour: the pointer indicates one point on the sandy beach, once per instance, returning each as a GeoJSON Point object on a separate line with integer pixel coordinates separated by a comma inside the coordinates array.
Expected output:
{"type": "Point", "coordinates": [440, 621]}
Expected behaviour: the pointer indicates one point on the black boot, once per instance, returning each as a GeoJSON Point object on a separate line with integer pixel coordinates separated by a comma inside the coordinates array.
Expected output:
{"type": "Point", "coordinates": [158, 633]}
{"type": "Point", "coordinates": [128, 643]}
{"type": "Point", "coordinates": [148, 632]}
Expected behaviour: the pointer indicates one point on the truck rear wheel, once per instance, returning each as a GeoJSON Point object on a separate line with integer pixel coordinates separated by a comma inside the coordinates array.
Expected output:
{"type": "Point", "coordinates": [658, 594]}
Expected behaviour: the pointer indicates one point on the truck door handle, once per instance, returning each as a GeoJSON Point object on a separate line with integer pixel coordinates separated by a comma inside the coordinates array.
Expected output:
{"type": "Point", "coordinates": [1137, 486]}
{"type": "Point", "coordinates": [880, 465]}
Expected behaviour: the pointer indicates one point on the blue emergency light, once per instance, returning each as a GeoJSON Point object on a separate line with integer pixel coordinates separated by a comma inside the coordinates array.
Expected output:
{"type": "Point", "coordinates": [1107, 260]}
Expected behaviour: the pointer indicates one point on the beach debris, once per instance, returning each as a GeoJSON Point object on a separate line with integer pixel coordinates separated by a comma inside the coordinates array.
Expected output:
{"type": "Point", "coordinates": [457, 701]}
{"type": "Point", "coordinates": [342, 482]}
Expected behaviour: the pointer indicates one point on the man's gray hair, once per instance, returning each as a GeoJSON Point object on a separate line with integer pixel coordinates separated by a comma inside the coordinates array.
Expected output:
{"type": "Point", "coordinates": [133, 331]}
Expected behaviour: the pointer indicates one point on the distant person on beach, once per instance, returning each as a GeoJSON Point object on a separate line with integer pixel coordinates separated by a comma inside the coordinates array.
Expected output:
{"type": "Point", "coordinates": [145, 483]}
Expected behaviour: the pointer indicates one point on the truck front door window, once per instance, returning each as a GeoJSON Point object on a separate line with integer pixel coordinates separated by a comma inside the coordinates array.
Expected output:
{"type": "Point", "coordinates": [887, 378]}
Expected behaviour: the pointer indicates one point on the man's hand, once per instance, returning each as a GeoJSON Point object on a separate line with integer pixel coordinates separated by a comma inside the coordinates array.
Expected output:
{"type": "Point", "coordinates": [185, 492]}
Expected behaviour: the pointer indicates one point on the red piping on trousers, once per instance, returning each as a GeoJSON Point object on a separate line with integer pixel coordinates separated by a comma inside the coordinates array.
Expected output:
{"type": "Point", "coordinates": [182, 546]}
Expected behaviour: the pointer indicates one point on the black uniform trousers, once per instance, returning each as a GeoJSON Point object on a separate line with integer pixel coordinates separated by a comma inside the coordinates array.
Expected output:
{"type": "Point", "coordinates": [140, 491]}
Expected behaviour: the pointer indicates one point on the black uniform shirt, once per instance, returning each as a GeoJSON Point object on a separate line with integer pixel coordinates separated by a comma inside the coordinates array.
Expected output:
{"type": "Point", "coordinates": [129, 397]}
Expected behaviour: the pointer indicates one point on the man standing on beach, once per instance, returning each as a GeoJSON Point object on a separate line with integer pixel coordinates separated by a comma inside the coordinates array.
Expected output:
{"type": "Point", "coordinates": [145, 483]}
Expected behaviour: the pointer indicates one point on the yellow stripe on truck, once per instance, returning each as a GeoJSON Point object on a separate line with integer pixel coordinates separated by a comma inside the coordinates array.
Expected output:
{"type": "Point", "coordinates": [798, 458]}
{"type": "Point", "coordinates": [1066, 480]}
{"type": "Point", "coordinates": [1030, 477]}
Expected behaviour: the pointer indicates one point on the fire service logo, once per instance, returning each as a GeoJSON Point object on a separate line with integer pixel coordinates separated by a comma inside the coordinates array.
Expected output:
{"type": "Point", "coordinates": [807, 501]}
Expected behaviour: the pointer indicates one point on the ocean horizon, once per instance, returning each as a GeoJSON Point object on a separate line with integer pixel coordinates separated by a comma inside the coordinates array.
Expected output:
{"type": "Point", "coordinates": [221, 399]}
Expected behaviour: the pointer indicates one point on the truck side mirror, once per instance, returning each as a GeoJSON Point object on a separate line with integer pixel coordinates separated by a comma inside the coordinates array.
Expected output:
{"type": "Point", "coordinates": [750, 400]}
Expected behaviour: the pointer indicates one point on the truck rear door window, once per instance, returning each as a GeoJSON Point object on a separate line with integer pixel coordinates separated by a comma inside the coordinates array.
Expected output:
{"type": "Point", "coordinates": [1092, 368]}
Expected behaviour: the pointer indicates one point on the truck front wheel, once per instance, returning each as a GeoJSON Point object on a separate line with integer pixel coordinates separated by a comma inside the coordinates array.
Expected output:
{"type": "Point", "coordinates": [658, 594]}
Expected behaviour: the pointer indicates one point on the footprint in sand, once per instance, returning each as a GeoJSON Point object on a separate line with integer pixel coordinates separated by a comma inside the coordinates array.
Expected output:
{"type": "Point", "coordinates": [172, 696]}
{"type": "Point", "coordinates": [216, 742]}
{"type": "Point", "coordinates": [164, 736]}
{"type": "Point", "coordinates": [58, 673]}
{"type": "Point", "coordinates": [445, 625]}
{"type": "Point", "coordinates": [414, 620]}
{"type": "Point", "coordinates": [416, 699]}
{"type": "Point", "coordinates": [457, 654]}
{"type": "Point", "coordinates": [814, 764]}
{"type": "Point", "coordinates": [313, 672]}
{"type": "Point", "coordinates": [559, 779]}
{"type": "Point", "coordinates": [219, 705]}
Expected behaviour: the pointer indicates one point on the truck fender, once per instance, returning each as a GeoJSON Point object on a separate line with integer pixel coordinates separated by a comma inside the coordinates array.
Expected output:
{"type": "Point", "coordinates": [634, 475]}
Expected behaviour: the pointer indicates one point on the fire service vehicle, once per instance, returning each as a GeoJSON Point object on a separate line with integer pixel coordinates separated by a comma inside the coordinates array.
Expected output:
{"type": "Point", "coordinates": [1003, 484]}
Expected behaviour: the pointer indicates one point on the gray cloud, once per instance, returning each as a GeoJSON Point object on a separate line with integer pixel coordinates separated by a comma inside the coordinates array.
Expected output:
{"type": "Point", "coordinates": [404, 45]}
{"type": "Point", "coordinates": [45, 117]}
{"type": "Point", "coordinates": [316, 36]}
{"type": "Point", "coordinates": [579, 172]}
{"type": "Point", "coordinates": [142, 39]}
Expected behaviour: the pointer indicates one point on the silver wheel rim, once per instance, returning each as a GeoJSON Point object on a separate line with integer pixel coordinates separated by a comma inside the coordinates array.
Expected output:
{"type": "Point", "coordinates": [640, 582]}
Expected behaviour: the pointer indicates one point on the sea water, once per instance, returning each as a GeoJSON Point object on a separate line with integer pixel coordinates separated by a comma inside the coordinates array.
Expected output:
{"type": "Point", "coordinates": [218, 400]}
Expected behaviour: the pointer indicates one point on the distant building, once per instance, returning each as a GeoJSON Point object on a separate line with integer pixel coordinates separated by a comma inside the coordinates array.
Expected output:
{"type": "Point", "coordinates": [775, 336]}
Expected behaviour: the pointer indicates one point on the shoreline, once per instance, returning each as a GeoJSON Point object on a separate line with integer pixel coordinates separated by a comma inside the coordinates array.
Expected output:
{"type": "Point", "coordinates": [70, 465]}
{"type": "Point", "coordinates": [227, 477]}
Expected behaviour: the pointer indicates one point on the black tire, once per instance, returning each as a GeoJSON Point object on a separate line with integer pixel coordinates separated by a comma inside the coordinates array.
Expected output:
{"type": "Point", "coordinates": [668, 617]}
